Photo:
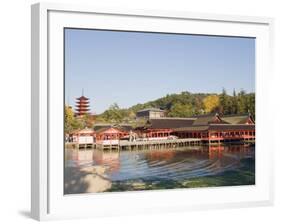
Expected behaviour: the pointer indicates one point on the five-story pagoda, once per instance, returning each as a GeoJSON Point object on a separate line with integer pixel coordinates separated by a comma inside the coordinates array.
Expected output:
{"type": "Point", "coordinates": [82, 106]}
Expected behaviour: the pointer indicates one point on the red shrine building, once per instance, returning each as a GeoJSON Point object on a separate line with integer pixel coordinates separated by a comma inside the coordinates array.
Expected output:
{"type": "Point", "coordinates": [162, 128]}
{"type": "Point", "coordinates": [215, 128]}
{"type": "Point", "coordinates": [111, 134]}
{"type": "Point", "coordinates": [84, 136]}
{"type": "Point", "coordinates": [210, 128]}
{"type": "Point", "coordinates": [82, 106]}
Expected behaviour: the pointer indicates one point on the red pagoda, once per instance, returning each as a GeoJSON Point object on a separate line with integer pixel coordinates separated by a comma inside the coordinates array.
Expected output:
{"type": "Point", "coordinates": [82, 106]}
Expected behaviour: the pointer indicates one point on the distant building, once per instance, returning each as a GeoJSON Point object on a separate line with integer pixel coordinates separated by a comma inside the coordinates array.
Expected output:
{"type": "Point", "coordinates": [82, 106]}
{"type": "Point", "coordinates": [150, 113]}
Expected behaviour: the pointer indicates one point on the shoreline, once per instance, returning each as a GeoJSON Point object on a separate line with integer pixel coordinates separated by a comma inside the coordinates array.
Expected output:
{"type": "Point", "coordinates": [90, 179]}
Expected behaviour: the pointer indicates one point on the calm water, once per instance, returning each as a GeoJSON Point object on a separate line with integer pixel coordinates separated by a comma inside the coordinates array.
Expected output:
{"type": "Point", "coordinates": [169, 168]}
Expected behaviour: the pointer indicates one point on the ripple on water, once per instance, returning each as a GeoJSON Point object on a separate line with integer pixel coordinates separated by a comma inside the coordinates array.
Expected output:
{"type": "Point", "coordinates": [166, 164]}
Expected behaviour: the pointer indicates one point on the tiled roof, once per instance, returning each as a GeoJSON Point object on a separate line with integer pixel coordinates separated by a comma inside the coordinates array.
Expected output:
{"type": "Point", "coordinates": [207, 119]}
{"type": "Point", "coordinates": [82, 98]}
{"type": "Point", "coordinates": [236, 119]}
{"type": "Point", "coordinates": [163, 123]}
{"type": "Point", "coordinates": [217, 127]}
{"type": "Point", "coordinates": [103, 127]}
{"type": "Point", "coordinates": [230, 127]}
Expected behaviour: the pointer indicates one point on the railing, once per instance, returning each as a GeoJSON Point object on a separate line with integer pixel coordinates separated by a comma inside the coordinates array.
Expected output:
{"type": "Point", "coordinates": [108, 142]}
{"type": "Point", "coordinates": [161, 141]}
{"type": "Point", "coordinates": [235, 137]}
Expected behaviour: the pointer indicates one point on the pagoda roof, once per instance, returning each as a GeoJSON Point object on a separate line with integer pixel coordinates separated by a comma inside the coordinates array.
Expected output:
{"type": "Point", "coordinates": [82, 109]}
{"type": "Point", "coordinates": [82, 106]}
{"type": "Point", "coordinates": [82, 101]}
{"type": "Point", "coordinates": [82, 98]}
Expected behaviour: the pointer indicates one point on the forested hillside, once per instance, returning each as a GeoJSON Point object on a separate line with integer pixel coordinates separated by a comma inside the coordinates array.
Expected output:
{"type": "Point", "coordinates": [187, 104]}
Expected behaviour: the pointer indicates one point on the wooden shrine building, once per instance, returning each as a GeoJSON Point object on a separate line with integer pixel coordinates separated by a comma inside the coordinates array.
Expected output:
{"type": "Point", "coordinates": [107, 134]}
{"type": "Point", "coordinates": [210, 128]}
{"type": "Point", "coordinates": [162, 127]}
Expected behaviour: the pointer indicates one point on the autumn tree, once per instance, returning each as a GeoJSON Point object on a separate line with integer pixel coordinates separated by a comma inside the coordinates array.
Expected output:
{"type": "Point", "coordinates": [185, 104]}
{"type": "Point", "coordinates": [68, 118]}
{"type": "Point", "coordinates": [211, 103]}
{"type": "Point", "coordinates": [71, 123]}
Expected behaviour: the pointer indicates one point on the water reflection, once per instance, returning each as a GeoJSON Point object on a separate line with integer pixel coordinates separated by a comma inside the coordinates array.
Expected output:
{"type": "Point", "coordinates": [173, 164]}
{"type": "Point", "coordinates": [109, 159]}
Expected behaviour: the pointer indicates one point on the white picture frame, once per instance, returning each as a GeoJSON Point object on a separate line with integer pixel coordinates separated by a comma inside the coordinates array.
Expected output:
{"type": "Point", "coordinates": [48, 201]}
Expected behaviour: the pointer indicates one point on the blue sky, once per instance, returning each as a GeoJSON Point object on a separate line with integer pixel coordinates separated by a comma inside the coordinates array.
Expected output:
{"type": "Point", "coordinates": [136, 67]}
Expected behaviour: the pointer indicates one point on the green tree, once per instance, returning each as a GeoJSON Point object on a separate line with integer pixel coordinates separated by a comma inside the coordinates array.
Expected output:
{"type": "Point", "coordinates": [234, 103]}
{"type": "Point", "coordinates": [251, 104]}
{"type": "Point", "coordinates": [225, 103]}
{"type": "Point", "coordinates": [242, 102]}
{"type": "Point", "coordinates": [77, 124]}
{"type": "Point", "coordinates": [87, 120]}
{"type": "Point", "coordinates": [185, 104]}
{"type": "Point", "coordinates": [113, 114]}
{"type": "Point", "coordinates": [181, 110]}
{"type": "Point", "coordinates": [222, 97]}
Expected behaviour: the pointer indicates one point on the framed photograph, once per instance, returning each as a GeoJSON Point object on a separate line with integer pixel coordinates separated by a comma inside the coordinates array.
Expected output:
{"type": "Point", "coordinates": [148, 111]}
